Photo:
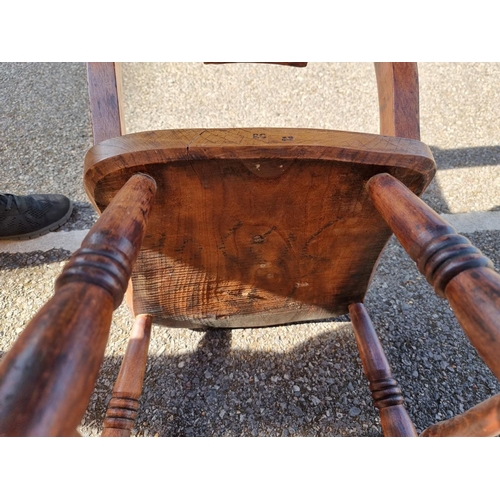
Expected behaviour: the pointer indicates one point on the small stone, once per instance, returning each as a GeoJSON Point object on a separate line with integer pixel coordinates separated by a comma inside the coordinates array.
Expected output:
{"type": "Point", "coordinates": [354, 411]}
{"type": "Point", "coordinates": [315, 400]}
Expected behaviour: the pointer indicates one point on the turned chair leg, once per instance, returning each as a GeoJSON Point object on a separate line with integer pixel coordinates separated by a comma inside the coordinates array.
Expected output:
{"type": "Point", "coordinates": [48, 376]}
{"type": "Point", "coordinates": [457, 270]}
{"type": "Point", "coordinates": [385, 390]}
{"type": "Point", "coordinates": [122, 409]}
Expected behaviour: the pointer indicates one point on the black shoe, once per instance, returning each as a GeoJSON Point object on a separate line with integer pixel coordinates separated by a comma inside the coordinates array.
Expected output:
{"type": "Point", "coordinates": [25, 217]}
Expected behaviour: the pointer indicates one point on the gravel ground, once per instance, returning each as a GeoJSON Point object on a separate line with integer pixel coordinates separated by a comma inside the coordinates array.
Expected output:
{"type": "Point", "coordinates": [292, 380]}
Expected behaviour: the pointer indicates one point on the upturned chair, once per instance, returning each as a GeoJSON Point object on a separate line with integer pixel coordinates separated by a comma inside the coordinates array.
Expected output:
{"type": "Point", "coordinates": [243, 228]}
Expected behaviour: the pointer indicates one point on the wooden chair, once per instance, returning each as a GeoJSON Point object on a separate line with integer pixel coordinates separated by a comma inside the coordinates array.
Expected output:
{"type": "Point", "coordinates": [242, 228]}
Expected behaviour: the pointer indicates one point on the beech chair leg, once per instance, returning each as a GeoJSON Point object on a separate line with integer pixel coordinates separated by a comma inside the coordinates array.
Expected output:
{"type": "Point", "coordinates": [123, 406]}
{"type": "Point", "coordinates": [48, 376]}
{"type": "Point", "coordinates": [457, 270]}
{"type": "Point", "coordinates": [385, 390]}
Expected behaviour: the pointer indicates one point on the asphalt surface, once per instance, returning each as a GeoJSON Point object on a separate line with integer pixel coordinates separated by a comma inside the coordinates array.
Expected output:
{"type": "Point", "coordinates": [292, 380]}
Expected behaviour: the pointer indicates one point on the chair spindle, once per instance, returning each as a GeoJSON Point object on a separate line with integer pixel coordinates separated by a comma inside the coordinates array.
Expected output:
{"type": "Point", "coordinates": [385, 390]}
{"type": "Point", "coordinates": [48, 376]}
{"type": "Point", "coordinates": [456, 269]}
{"type": "Point", "coordinates": [123, 406]}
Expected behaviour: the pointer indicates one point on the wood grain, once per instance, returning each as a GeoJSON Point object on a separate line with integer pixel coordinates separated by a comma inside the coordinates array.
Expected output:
{"type": "Point", "coordinates": [123, 406]}
{"type": "Point", "coordinates": [483, 420]}
{"type": "Point", "coordinates": [440, 253]}
{"type": "Point", "coordinates": [398, 94]}
{"type": "Point", "coordinates": [474, 296]}
{"type": "Point", "coordinates": [385, 390]}
{"type": "Point", "coordinates": [255, 227]}
{"type": "Point", "coordinates": [105, 94]}
{"type": "Point", "coordinates": [48, 376]}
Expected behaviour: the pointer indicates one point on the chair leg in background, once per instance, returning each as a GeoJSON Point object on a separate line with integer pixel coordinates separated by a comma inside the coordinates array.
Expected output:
{"type": "Point", "coordinates": [122, 409]}
{"type": "Point", "coordinates": [385, 390]}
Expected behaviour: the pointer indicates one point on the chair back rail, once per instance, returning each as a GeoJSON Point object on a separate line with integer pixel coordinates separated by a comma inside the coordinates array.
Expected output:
{"type": "Point", "coordinates": [398, 96]}
{"type": "Point", "coordinates": [397, 84]}
{"type": "Point", "coordinates": [105, 98]}
{"type": "Point", "coordinates": [294, 64]}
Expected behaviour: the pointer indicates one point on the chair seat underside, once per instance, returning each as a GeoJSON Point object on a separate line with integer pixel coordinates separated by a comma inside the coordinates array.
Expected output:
{"type": "Point", "coordinates": [255, 227]}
